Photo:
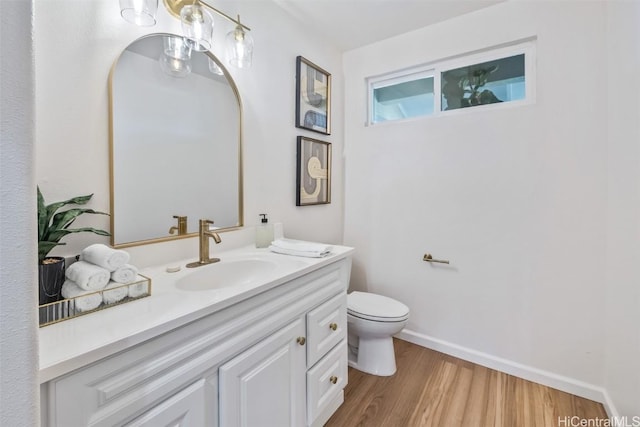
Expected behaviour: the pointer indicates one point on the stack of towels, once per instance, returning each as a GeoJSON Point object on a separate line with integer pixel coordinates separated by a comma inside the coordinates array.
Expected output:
{"type": "Point", "coordinates": [300, 248]}
{"type": "Point", "coordinates": [101, 275]}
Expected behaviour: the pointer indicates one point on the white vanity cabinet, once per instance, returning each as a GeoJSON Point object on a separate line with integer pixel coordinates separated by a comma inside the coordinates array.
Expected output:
{"type": "Point", "coordinates": [277, 358]}
{"type": "Point", "coordinates": [265, 385]}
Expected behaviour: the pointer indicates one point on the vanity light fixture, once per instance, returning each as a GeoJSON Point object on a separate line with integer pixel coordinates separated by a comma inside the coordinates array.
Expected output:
{"type": "Point", "coordinates": [197, 26]}
{"type": "Point", "coordinates": [139, 12]}
{"type": "Point", "coordinates": [239, 47]}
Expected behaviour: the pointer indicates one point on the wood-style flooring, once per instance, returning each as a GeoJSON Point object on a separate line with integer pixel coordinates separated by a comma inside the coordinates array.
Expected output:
{"type": "Point", "coordinates": [434, 389]}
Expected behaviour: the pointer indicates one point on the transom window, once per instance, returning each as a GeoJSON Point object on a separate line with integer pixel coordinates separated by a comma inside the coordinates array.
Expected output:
{"type": "Point", "coordinates": [503, 75]}
{"type": "Point", "coordinates": [403, 97]}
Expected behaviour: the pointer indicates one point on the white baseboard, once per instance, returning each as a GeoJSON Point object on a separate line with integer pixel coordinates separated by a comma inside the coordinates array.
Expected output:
{"type": "Point", "coordinates": [609, 406]}
{"type": "Point", "coordinates": [549, 379]}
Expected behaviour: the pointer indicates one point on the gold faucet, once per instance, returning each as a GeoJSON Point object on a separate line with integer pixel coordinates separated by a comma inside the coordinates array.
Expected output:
{"type": "Point", "coordinates": [182, 225]}
{"type": "Point", "coordinates": [204, 235]}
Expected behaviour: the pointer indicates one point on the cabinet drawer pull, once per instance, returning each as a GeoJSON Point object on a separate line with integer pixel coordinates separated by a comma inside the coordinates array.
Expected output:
{"type": "Point", "coordinates": [333, 379]}
{"type": "Point", "coordinates": [301, 340]}
{"type": "Point", "coordinates": [333, 326]}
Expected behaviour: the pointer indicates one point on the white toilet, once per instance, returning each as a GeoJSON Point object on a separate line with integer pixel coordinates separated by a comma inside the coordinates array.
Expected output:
{"type": "Point", "coordinates": [372, 320]}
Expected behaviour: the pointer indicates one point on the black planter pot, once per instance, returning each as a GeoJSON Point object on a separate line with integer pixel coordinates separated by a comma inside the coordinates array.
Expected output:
{"type": "Point", "coordinates": [50, 279]}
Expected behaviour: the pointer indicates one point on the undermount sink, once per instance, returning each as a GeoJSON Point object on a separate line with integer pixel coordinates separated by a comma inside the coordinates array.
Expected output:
{"type": "Point", "coordinates": [225, 274]}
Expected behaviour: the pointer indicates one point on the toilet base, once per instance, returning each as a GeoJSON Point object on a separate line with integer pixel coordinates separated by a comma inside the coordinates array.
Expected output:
{"type": "Point", "coordinates": [373, 356]}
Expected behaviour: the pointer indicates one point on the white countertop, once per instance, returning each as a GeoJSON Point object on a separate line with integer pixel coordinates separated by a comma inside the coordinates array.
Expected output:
{"type": "Point", "coordinates": [77, 342]}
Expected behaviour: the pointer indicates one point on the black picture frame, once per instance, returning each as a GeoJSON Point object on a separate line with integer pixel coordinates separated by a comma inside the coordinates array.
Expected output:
{"type": "Point", "coordinates": [313, 97]}
{"type": "Point", "coordinates": [313, 172]}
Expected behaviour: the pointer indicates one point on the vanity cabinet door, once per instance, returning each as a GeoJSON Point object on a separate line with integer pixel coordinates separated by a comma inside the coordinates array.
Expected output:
{"type": "Point", "coordinates": [265, 385]}
{"type": "Point", "coordinates": [195, 406]}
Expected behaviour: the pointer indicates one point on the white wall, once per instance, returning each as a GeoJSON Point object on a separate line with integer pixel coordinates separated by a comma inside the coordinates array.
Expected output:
{"type": "Point", "coordinates": [514, 197]}
{"type": "Point", "coordinates": [18, 292]}
{"type": "Point", "coordinates": [76, 43]}
{"type": "Point", "coordinates": [622, 370]}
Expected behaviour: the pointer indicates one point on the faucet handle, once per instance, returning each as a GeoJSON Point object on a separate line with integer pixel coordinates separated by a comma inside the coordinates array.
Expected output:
{"type": "Point", "coordinates": [182, 225]}
{"type": "Point", "coordinates": [204, 225]}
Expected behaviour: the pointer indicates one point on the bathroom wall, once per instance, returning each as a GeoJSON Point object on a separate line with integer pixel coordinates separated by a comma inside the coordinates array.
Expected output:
{"type": "Point", "coordinates": [622, 313]}
{"type": "Point", "coordinates": [76, 44]}
{"type": "Point", "coordinates": [515, 197]}
{"type": "Point", "coordinates": [18, 325]}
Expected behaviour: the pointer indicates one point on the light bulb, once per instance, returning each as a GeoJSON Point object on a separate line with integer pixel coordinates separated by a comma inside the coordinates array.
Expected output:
{"type": "Point", "coordinates": [197, 27]}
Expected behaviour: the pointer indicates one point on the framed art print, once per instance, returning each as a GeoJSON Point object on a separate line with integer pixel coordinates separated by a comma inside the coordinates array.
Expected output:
{"type": "Point", "coordinates": [313, 97]}
{"type": "Point", "coordinates": [313, 183]}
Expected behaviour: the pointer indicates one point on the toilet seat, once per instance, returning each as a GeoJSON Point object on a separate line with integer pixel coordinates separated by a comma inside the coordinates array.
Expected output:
{"type": "Point", "coordinates": [376, 308]}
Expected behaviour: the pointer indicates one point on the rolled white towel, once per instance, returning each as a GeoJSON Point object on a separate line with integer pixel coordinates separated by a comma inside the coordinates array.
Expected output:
{"type": "Point", "coordinates": [88, 276]}
{"type": "Point", "coordinates": [125, 274]}
{"type": "Point", "coordinates": [114, 292]}
{"type": "Point", "coordinates": [83, 300]}
{"type": "Point", "coordinates": [139, 289]}
{"type": "Point", "coordinates": [104, 256]}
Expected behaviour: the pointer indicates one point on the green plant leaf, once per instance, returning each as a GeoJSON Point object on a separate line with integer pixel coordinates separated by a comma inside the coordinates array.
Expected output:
{"type": "Point", "coordinates": [42, 215]}
{"type": "Point", "coordinates": [56, 235]}
{"type": "Point", "coordinates": [53, 225]}
{"type": "Point", "coordinates": [44, 247]}
{"type": "Point", "coordinates": [53, 207]}
{"type": "Point", "coordinates": [62, 220]}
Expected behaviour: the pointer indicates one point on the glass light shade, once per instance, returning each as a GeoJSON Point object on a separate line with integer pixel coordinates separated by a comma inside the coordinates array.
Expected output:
{"type": "Point", "coordinates": [239, 48]}
{"type": "Point", "coordinates": [176, 47]}
{"type": "Point", "coordinates": [139, 12]}
{"type": "Point", "coordinates": [175, 59]}
{"type": "Point", "coordinates": [175, 67]}
{"type": "Point", "coordinates": [197, 27]}
{"type": "Point", "coordinates": [215, 68]}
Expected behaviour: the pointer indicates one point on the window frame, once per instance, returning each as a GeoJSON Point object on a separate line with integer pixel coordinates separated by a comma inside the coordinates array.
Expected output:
{"type": "Point", "coordinates": [436, 68]}
{"type": "Point", "coordinates": [395, 78]}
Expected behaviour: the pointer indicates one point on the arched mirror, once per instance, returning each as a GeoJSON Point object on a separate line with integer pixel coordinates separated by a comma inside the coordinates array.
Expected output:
{"type": "Point", "coordinates": [176, 142]}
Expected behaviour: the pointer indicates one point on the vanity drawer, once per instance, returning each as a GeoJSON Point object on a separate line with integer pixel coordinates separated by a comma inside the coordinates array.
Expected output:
{"type": "Point", "coordinates": [326, 380]}
{"type": "Point", "coordinates": [326, 326]}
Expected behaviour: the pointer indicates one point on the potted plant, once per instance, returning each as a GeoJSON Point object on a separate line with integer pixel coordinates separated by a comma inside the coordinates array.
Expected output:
{"type": "Point", "coordinates": [52, 227]}
{"type": "Point", "coordinates": [462, 91]}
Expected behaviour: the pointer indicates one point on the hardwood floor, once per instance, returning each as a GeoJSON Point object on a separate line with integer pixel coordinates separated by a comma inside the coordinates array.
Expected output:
{"type": "Point", "coordinates": [434, 389]}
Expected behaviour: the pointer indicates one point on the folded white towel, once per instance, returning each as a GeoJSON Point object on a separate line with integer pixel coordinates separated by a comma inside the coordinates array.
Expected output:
{"type": "Point", "coordinates": [88, 276]}
{"type": "Point", "coordinates": [114, 292]}
{"type": "Point", "coordinates": [125, 274]}
{"type": "Point", "coordinates": [139, 289]}
{"type": "Point", "coordinates": [104, 256]}
{"type": "Point", "coordinates": [83, 300]}
{"type": "Point", "coordinates": [300, 248]}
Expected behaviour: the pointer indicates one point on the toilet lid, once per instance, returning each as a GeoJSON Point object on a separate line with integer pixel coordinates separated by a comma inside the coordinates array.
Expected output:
{"type": "Point", "coordinates": [368, 305]}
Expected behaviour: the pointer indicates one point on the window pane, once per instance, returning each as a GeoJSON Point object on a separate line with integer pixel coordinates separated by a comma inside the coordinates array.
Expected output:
{"type": "Point", "coordinates": [490, 82]}
{"type": "Point", "coordinates": [403, 100]}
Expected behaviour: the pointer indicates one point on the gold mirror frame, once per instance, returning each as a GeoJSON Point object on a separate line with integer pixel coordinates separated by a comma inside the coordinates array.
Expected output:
{"type": "Point", "coordinates": [234, 88]}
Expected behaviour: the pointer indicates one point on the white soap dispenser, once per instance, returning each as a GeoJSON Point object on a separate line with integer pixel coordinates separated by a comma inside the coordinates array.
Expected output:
{"type": "Point", "coordinates": [264, 233]}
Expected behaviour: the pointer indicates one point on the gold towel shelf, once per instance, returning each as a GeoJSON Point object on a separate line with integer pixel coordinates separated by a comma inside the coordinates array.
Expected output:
{"type": "Point", "coordinates": [429, 258]}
